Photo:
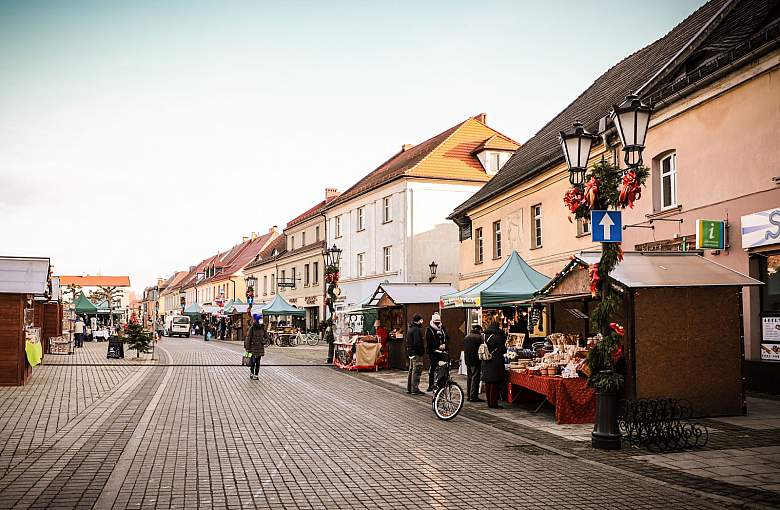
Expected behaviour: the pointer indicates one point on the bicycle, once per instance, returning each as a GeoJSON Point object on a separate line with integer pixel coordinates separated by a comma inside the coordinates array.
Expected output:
{"type": "Point", "coordinates": [311, 339]}
{"type": "Point", "coordinates": [447, 399]}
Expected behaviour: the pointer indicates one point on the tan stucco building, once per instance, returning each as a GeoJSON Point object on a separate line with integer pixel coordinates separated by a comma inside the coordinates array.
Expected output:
{"type": "Point", "coordinates": [711, 148]}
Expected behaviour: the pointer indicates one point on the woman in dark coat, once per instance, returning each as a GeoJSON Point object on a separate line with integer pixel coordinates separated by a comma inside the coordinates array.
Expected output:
{"type": "Point", "coordinates": [493, 371]}
{"type": "Point", "coordinates": [254, 344]}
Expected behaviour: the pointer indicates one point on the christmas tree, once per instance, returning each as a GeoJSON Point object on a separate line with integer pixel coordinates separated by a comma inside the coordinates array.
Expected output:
{"type": "Point", "coordinates": [137, 338]}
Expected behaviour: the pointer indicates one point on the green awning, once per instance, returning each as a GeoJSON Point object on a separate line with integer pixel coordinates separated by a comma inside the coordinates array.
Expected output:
{"type": "Point", "coordinates": [193, 310]}
{"type": "Point", "coordinates": [281, 307]}
{"type": "Point", "coordinates": [102, 307]}
{"type": "Point", "coordinates": [515, 280]}
{"type": "Point", "coordinates": [84, 305]}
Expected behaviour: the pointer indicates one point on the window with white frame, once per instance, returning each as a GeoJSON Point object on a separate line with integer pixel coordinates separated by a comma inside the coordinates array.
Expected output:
{"type": "Point", "coordinates": [494, 162]}
{"type": "Point", "coordinates": [479, 253]}
{"type": "Point", "coordinates": [497, 239]}
{"type": "Point", "coordinates": [361, 264]}
{"type": "Point", "coordinates": [337, 226]}
{"type": "Point", "coordinates": [265, 285]}
{"type": "Point", "coordinates": [361, 218]}
{"type": "Point", "coordinates": [317, 234]}
{"type": "Point", "coordinates": [303, 238]}
{"type": "Point", "coordinates": [273, 284]}
{"type": "Point", "coordinates": [583, 226]}
{"type": "Point", "coordinates": [306, 277]}
{"type": "Point", "coordinates": [387, 211]}
{"type": "Point", "coordinates": [294, 281]}
{"type": "Point", "coordinates": [669, 181]}
{"type": "Point", "coordinates": [387, 258]}
{"type": "Point", "coordinates": [316, 273]}
{"type": "Point", "coordinates": [536, 225]}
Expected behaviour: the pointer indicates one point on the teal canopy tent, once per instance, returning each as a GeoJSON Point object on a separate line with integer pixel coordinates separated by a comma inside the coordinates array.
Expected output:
{"type": "Point", "coordinates": [193, 310]}
{"type": "Point", "coordinates": [281, 307]}
{"type": "Point", "coordinates": [102, 308]}
{"type": "Point", "coordinates": [514, 281]}
{"type": "Point", "coordinates": [84, 305]}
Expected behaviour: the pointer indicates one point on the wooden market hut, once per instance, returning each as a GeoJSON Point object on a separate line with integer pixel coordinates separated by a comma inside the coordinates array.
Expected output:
{"type": "Point", "coordinates": [397, 303]}
{"type": "Point", "coordinates": [683, 324]}
{"type": "Point", "coordinates": [21, 279]}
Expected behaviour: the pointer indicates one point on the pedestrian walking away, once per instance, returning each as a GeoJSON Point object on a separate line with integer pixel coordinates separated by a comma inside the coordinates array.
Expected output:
{"type": "Point", "coordinates": [78, 332]}
{"type": "Point", "coordinates": [473, 364]}
{"type": "Point", "coordinates": [436, 341]}
{"type": "Point", "coordinates": [415, 350]}
{"type": "Point", "coordinates": [254, 343]}
{"type": "Point", "coordinates": [493, 371]}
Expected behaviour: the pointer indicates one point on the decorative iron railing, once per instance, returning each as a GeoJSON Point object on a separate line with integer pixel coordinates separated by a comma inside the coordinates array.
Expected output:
{"type": "Point", "coordinates": [661, 424]}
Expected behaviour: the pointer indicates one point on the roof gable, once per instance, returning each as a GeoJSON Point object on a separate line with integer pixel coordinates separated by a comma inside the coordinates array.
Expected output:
{"type": "Point", "coordinates": [447, 155]}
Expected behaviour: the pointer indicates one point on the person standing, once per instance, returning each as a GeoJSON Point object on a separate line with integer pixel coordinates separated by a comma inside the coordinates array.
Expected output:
{"type": "Point", "coordinates": [473, 364]}
{"type": "Point", "coordinates": [78, 332]}
{"type": "Point", "coordinates": [493, 371]}
{"type": "Point", "coordinates": [158, 326]}
{"type": "Point", "coordinates": [254, 343]}
{"type": "Point", "coordinates": [415, 350]}
{"type": "Point", "coordinates": [436, 346]}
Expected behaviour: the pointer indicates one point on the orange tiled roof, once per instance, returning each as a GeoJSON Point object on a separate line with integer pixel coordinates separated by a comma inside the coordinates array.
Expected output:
{"type": "Point", "coordinates": [497, 142]}
{"type": "Point", "coordinates": [279, 244]}
{"type": "Point", "coordinates": [95, 281]}
{"type": "Point", "coordinates": [447, 155]}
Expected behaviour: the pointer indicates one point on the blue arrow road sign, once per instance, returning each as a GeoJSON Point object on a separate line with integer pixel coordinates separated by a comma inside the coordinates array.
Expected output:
{"type": "Point", "coordinates": [606, 226]}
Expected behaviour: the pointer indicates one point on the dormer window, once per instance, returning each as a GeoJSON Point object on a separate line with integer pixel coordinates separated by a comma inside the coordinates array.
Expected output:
{"type": "Point", "coordinates": [494, 162]}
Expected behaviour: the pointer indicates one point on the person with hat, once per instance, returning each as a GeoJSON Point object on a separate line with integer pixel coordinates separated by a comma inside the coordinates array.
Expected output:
{"type": "Point", "coordinates": [254, 343]}
{"type": "Point", "coordinates": [415, 350]}
{"type": "Point", "coordinates": [436, 340]}
{"type": "Point", "coordinates": [473, 364]}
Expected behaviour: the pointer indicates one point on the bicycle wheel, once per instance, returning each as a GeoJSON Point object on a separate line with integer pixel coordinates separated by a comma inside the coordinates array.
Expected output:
{"type": "Point", "coordinates": [278, 340]}
{"type": "Point", "coordinates": [448, 401]}
{"type": "Point", "coordinates": [313, 339]}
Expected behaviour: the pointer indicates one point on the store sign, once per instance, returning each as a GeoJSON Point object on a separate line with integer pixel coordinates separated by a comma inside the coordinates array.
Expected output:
{"type": "Point", "coordinates": [761, 228]}
{"type": "Point", "coordinates": [770, 345]}
{"type": "Point", "coordinates": [607, 226]}
{"type": "Point", "coordinates": [710, 235]}
{"type": "Point", "coordinates": [460, 301]}
{"type": "Point", "coordinates": [311, 300]}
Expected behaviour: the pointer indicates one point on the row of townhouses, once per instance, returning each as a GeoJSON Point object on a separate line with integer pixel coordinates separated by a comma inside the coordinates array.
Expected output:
{"type": "Point", "coordinates": [468, 197]}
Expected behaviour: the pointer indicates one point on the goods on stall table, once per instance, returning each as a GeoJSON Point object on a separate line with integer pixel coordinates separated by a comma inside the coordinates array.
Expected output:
{"type": "Point", "coordinates": [61, 344]}
{"type": "Point", "coordinates": [574, 401]}
{"type": "Point", "coordinates": [357, 352]}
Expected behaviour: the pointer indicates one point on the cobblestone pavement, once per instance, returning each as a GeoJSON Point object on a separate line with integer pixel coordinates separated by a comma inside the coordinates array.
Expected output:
{"type": "Point", "coordinates": [202, 434]}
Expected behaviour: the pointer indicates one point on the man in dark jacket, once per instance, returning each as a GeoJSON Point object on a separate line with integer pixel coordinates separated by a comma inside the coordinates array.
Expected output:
{"type": "Point", "coordinates": [415, 351]}
{"type": "Point", "coordinates": [473, 364]}
{"type": "Point", "coordinates": [436, 346]}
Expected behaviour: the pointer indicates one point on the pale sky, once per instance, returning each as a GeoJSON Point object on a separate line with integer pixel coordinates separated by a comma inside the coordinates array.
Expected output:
{"type": "Point", "coordinates": [141, 137]}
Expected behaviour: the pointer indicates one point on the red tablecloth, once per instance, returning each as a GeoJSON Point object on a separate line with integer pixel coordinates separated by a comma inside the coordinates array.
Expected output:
{"type": "Point", "coordinates": [574, 402]}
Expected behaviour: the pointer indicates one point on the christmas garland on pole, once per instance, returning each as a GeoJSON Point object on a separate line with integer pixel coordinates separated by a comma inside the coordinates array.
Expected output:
{"type": "Point", "coordinates": [607, 187]}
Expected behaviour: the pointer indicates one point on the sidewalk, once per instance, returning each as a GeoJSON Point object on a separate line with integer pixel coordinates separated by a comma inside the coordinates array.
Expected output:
{"type": "Point", "coordinates": [742, 458]}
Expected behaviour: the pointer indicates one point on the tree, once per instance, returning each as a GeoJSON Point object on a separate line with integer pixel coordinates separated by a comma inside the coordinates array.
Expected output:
{"type": "Point", "coordinates": [137, 338]}
{"type": "Point", "coordinates": [72, 289]}
{"type": "Point", "coordinates": [109, 294]}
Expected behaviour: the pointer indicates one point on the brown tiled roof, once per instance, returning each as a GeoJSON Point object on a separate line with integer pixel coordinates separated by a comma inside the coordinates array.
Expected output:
{"type": "Point", "coordinates": [543, 149]}
{"type": "Point", "coordinates": [311, 212]}
{"type": "Point", "coordinates": [447, 155]}
{"type": "Point", "coordinates": [173, 283]}
{"type": "Point", "coordinates": [95, 281]}
{"type": "Point", "coordinates": [250, 249]}
{"type": "Point", "coordinates": [318, 246]}
{"type": "Point", "coordinates": [279, 244]}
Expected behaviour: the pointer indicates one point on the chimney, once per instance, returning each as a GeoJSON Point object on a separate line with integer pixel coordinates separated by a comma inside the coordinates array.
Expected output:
{"type": "Point", "coordinates": [160, 281]}
{"type": "Point", "coordinates": [254, 235]}
{"type": "Point", "coordinates": [331, 192]}
{"type": "Point", "coordinates": [482, 117]}
{"type": "Point", "coordinates": [405, 147]}
{"type": "Point", "coordinates": [244, 239]}
{"type": "Point", "coordinates": [274, 230]}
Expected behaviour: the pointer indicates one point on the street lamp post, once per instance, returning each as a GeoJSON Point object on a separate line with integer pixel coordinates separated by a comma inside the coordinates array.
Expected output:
{"type": "Point", "coordinates": [250, 282]}
{"type": "Point", "coordinates": [606, 186]}
{"type": "Point", "coordinates": [433, 266]}
{"type": "Point", "coordinates": [332, 257]}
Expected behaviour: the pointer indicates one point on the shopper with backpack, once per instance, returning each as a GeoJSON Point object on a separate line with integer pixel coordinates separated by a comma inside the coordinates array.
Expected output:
{"type": "Point", "coordinates": [473, 364]}
{"type": "Point", "coordinates": [415, 350]}
{"type": "Point", "coordinates": [492, 356]}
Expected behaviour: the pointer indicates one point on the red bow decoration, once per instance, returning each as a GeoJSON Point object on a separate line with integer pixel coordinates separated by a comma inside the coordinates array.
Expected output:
{"type": "Point", "coordinates": [630, 190]}
{"type": "Point", "coordinates": [591, 191]}
{"type": "Point", "coordinates": [593, 273]}
{"type": "Point", "coordinates": [620, 252]}
{"type": "Point", "coordinates": [620, 330]}
{"type": "Point", "coordinates": [574, 200]}
{"type": "Point", "coordinates": [617, 354]}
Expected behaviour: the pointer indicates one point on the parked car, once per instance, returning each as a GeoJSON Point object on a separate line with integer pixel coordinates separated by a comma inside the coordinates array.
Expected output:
{"type": "Point", "coordinates": [177, 325]}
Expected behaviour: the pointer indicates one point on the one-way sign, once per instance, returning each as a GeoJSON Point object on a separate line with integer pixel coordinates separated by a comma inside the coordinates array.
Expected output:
{"type": "Point", "coordinates": [606, 226]}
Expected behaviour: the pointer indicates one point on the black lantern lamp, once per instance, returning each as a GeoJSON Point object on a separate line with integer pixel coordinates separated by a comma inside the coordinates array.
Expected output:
{"type": "Point", "coordinates": [631, 118]}
{"type": "Point", "coordinates": [332, 256]}
{"type": "Point", "coordinates": [576, 144]}
{"type": "Point", "coordinates": [250, 282]}
{"type": "Point", "coordinates": [433, 266]}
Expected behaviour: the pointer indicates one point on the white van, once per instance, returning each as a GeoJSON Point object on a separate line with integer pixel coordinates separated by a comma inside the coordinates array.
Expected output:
{"type": "Point", "coordinates": [177, 325]}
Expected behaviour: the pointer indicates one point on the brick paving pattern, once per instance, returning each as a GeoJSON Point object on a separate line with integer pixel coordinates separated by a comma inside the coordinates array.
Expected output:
{"type": "Point", "coordinates": [203, 435]}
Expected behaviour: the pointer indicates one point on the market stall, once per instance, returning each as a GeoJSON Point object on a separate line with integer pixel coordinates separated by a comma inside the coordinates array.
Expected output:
{"type": "Point", "coordinates": [21, 278]}
{"type": "Point", "coordinates": [279, 314]}
{"type": "Point", "coordinates": [680, 319]}
{"type": "Point", "coordinates": [497, 298]}
{"type": "Point", "coordinates": [396, 303]}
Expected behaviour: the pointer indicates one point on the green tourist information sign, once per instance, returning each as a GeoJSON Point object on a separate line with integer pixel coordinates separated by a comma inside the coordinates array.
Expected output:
{"type": "Point", "coordinates": [710, 235]}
